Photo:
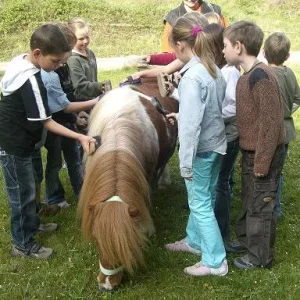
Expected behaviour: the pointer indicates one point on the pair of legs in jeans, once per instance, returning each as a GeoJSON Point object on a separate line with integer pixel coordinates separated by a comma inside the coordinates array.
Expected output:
{"type": "Point", "coordinates": [55, 144]}
{"type": "Point", "coordinates": [223, 190]}
{"type": "Point", "coordinates": [256, 227]}
{"type": "Point", "coordinates": [202, 229]}
{"type": "Point", "coordinates": [21, 179]}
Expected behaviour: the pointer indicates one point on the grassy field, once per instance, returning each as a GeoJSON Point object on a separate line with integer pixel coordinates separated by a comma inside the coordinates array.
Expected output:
{"type": "Point", "coordinates": [71, 273]}
{"type": "Point", "coordinates": [128, 26]}
{"type": "Point", "coordinates": [134, 27]}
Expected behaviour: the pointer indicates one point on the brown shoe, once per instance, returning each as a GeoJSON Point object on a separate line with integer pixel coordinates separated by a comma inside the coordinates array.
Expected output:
{"type": "Point", "coordinates": [49, 210]}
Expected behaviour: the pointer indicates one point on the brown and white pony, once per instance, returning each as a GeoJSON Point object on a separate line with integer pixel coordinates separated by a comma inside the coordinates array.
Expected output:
{"type": "Point", "coordinates": [136, 143]}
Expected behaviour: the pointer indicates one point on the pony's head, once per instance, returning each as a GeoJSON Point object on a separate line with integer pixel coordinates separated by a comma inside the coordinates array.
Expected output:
{"type": "Point", "coordinates": [130, 244]}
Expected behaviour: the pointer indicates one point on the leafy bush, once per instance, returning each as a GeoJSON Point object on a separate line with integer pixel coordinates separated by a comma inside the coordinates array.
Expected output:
{"type": "Point", "coordinates": [23, 13]}
{"type": "Point", "coordinates": [130, 26]}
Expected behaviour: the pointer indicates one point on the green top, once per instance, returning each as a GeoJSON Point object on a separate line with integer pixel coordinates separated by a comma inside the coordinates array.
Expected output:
{"type": "Point", "coordinates": [290, 94]}
{"type": "Point", "coordinates": [84, 75]}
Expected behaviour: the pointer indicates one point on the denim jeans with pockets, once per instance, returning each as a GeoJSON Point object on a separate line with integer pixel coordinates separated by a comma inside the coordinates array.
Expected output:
{"type": "Point", "coordinates": [20, 179]}
{"type": "Point", "coordinates": [55, 144]}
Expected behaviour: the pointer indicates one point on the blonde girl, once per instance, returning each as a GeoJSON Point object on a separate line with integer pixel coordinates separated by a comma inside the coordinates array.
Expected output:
{"type": "Point", "coordinates": [202, 144]}
{"type": "Point", "coordinates": [83, 64]}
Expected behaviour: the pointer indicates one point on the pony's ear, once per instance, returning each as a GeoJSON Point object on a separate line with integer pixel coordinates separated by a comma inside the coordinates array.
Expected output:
{"type": "Point", "coordinates": [133, 211]}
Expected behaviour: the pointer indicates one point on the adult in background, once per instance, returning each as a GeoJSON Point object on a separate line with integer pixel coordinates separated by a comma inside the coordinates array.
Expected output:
{"type": "Point", "coordinates": [203, 7]}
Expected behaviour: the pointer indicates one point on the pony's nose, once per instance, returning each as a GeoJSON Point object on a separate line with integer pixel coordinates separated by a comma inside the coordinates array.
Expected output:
{"type": "Point", "coordinates": [106, 285]}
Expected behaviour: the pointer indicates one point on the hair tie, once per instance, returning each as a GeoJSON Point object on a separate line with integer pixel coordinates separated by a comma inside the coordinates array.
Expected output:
{"type": "Point", "coordinates": [195, 30]}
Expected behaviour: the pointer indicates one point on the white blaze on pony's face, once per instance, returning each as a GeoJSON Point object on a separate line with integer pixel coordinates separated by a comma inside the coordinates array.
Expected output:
{"type": "Point", "coordinates": [108, 283]}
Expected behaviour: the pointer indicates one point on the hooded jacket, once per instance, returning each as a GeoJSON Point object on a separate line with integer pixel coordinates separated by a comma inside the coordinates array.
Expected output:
{"type": "Point", "coordinates": [23, 105]}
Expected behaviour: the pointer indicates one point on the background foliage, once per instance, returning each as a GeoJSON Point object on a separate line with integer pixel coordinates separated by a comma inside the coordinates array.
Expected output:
{"type": "Point", "coordinates": [130, 27]}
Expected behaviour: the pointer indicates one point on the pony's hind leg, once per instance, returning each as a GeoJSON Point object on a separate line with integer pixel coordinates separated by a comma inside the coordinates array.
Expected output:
{"type": "Point", "coordinates": [165, 178]}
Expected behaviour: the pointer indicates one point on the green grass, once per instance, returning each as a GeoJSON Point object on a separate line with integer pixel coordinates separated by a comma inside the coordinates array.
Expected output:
{"type": "Point", "coordinates": [71, 273]}
{"type": "Point", "coordinates": [135, 27]}
{"type": "Point", "coordinates": [130, 27]}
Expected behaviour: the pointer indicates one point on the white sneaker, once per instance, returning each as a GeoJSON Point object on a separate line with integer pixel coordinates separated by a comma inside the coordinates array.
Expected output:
{"type": "Point", "coordinates": [182, 246]}
{"type": "Point", "coordinates": [64, 204]}
{"type": "Point", "coordinates": [201, 270]}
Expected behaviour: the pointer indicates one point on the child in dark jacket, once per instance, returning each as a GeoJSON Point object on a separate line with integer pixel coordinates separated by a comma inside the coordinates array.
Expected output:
{"type": "Point", "coordinates": [24, 116]}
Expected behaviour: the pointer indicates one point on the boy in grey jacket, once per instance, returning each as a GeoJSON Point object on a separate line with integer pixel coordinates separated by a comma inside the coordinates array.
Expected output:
{"type": "Point", "coordinates": [276, 51]}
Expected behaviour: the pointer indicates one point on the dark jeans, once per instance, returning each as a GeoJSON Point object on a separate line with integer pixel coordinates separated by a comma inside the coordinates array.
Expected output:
{"type": "Point", "coordinates": [223, 190]}
{"type": "Point", "coordinates": [37, 166]}
{"type": "Point", "coordinates": [20, 179]}
{"type": "Point", "coordinates": [256, 227]}
{"type": "Point", "coordinates": [37, 163]}
{"type": "Point", "coordinates": [55, 144]}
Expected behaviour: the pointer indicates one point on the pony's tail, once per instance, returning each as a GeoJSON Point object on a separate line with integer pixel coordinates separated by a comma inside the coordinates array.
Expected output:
{"type": "Point", "coordinates": [117, 230]}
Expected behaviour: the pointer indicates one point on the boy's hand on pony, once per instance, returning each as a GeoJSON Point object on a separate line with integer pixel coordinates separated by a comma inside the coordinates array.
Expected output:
{"type": "Point", "coordinates": [172, 117]}
{"type": "Point", "coordinates": [88, 143]}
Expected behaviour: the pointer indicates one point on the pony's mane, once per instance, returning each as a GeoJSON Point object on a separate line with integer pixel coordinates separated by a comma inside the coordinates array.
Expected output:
{"type": "Point", "coordinates": [114, 226]}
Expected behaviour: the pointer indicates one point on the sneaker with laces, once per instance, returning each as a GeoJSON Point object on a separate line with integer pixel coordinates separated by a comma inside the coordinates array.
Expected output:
{"type": "Point", "coordinates": [47, 227]}
{"type": "Point", "coordinates": [234, 247]}
{"type": "Point", "coordinates": [201, 270]}
{"type": "Point", "coordinates": [183, 247]}
{"type": "Point", "coordinates": [246, 264]}
{"type": "Point", "coordinates": [64, 204]}
{"type": "Point", "coordinates": [36, 252]}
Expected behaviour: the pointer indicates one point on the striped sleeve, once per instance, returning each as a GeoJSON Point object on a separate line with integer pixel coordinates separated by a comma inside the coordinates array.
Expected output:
{"type": "Point", "coordinates": [34, 96]}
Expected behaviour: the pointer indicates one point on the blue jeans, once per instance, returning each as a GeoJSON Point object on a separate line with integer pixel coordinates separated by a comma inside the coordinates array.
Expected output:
{"type": "Point", "coordinates": [280, 186]}
{"type": "Point", "coordinates": [223, 191]}
{"type": "Point", "coordinates": [37, 166]}
{"type": "Point", "coordinates": [19, 175]}
{"type": "Point", "coordinates": [55, 144]}
{"type": "Point", "coordinates": [202, 230]}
